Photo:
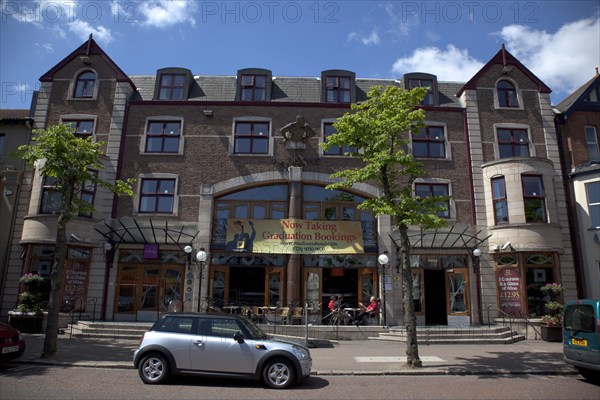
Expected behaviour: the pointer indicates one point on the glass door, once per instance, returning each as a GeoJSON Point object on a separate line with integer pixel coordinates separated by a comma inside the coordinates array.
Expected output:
{"type": "Point", "coordinates": [457, 289]}
{"type": "Point", "coordinates": [219, 286]}
{"type": "Point", "coordinates": [274, 293]}
{"type": "Point", "coordinates": [312, 293]}
{"type": "Point", "coordinates": [367, 285]}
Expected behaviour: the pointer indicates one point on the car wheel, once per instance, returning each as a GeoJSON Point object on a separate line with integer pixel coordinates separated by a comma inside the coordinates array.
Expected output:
{"type": "Point", "coordinates": [590, 375]}
{"type": "Point", "coordinates": [279, 373]}
{"type": "Point", "coordinates": [154, 369]}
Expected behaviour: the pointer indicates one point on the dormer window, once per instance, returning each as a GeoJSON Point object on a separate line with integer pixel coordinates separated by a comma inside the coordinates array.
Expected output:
{"type": "Point", "coordinates": [84, 86]}
{"type": "Point", "coordinates": [253, 84]}
{"type": "Point", "coordinates": [337, 89]}
{"type": "Point", "coordinates": [254, 87]}
{"type": "Point", "coordinates": [171, 87]}
{"type": "Point", "coordinates": [507, 94]}
{"type": "Point", "coordinates": [338, 86]}
{"type": "Point", "coordinates": [426, 83]}
{"type": "Point", "coordinates": [421, 79]}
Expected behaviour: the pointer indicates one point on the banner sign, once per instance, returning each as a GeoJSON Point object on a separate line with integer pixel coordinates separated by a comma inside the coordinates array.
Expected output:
{"type": "Point", "coordinates": [509, 285]}
{"type": "Point", "coordinates": [294, 236]}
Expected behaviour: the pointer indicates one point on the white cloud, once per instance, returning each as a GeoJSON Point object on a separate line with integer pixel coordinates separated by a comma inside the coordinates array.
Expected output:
{"type": "Point", "coordinates": [44, 48]}
{"type": "Point", "coordinates": [83, 29]}
{"type": "Point", "coordinates": [451, 64]}
{"type": "Point", "coordinates": [563, 60]}
{"type": "Point", "coordinates": [165, 13]}
{"type": "Point", "coordinates": [372, 39]}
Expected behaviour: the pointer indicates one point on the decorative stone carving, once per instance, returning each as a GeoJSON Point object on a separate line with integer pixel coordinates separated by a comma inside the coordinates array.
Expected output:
{"type": "Point", "coordinates": [297, 133]}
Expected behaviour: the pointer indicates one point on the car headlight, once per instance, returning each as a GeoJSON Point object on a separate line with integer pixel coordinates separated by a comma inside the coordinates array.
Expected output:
{"type": "Point", "coordinates": [300, 352]}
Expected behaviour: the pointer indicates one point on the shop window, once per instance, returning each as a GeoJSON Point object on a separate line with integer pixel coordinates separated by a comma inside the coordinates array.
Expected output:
{"type": "Point", "coordinates": [328, 130]}
{"type": "Point", "coordinates": [157, 196]}
{"type": "Point", "coordinates": [500, 201]}
{"type": "Point", "coordinates": [534, 198]}
{"type": "Point", "coordinates": [84, 85]}
{"type": "Point", "coordinates": [539, 272]}
{"type": "Point", "coordinates": [251, 138]}
{"type": "Point", "coordinates": [591, 138]}
{"type": "Point", "coordinates": [253, 87]}
{"type": "Point", "coordinates": [507, 94]}
{"type": "Point", "coordinates": [163, 136]}
{"type": "Point", "coordinates": [593, 199]}
{"type": "Point", "coordinates": [429, 142]}
{"type": "Point", "coordinates": [512, 143]}
{"type": "Point", "coordinates": [81, 128]}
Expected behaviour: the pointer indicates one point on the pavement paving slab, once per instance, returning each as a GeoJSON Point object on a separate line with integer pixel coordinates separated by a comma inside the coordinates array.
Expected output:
{"type": "Point", "coordinates": [353, 357]}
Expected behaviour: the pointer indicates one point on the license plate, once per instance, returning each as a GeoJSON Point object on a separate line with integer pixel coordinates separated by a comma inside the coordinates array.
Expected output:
{"type": "Point", "coordinates": [11, 349]}
{"type": "Point", "coordinates": [578, 342]}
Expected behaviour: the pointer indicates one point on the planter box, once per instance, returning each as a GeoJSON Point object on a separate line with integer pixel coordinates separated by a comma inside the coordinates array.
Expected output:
{"type": "Point", "coordinates": [26, 323]}
{"type": "Point", "coordinates": [551, 333]}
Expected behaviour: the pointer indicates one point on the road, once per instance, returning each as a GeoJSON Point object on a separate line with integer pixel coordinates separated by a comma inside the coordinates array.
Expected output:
{"type": "Point", "coordinates": [22, 381]}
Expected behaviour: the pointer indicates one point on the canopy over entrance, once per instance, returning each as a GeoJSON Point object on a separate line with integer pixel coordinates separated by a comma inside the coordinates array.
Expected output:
{"type": "Point", "coordinates": [146, 231]}
{"type": "Point", "coordinates": [452, 237]}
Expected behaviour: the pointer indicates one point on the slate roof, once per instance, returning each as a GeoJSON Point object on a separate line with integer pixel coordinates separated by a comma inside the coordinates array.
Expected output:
{"type": "Point", "coordinates": [284, 89]}
{"type": "Point", "coordinates": [568, 102]}
{"type": "Point", "coordinates": [15, 114]}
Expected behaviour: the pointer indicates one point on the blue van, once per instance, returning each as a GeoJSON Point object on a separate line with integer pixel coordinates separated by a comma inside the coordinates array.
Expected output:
{"type": "Point", "coordinates": [581, 337]}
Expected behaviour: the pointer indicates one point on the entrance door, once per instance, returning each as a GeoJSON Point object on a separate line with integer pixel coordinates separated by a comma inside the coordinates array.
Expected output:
{"type": "Point", "coordinates": [312, 293]}
{"type": "Point", "coordinates": [458, 291]}
{"type": "Point", "coordinates": [274, 287]}
{"type": "Point", "coordinates": [219, 284]}
{"type": "Point", "coordinates": [367, 285]}
{"type": "Point", "coordinates": [435, 297]}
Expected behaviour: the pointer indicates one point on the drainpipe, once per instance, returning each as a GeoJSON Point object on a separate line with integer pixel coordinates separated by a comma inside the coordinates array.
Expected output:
{"type": "Point", "coordinates": [473, 217]}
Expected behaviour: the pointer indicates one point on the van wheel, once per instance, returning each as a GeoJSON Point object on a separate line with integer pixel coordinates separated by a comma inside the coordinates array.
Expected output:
{"type": "Point", "coordinates": [590, 375]}
{"type": "Point", "coordinates": [154, 368]}
{"type": "Point", "coordinates": [279, 373]}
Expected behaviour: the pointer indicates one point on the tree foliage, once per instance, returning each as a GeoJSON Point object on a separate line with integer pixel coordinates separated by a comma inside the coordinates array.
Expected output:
{"type": "Point", "coordinates": [73, 163]}
{"type": "Point", "coordinates": [379, 128]}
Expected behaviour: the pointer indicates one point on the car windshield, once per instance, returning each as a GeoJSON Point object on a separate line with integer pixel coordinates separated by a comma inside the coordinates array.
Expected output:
{"type": "Point", "coordinates": [254, 331]}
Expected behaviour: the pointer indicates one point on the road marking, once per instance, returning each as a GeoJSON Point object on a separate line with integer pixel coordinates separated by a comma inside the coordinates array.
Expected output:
{"type": "Point", "coordinates": [396, 359]}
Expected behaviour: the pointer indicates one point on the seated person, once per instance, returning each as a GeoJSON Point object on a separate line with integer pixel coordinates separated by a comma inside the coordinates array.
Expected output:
{"type": "Point", "coordinates": [371, 309]}
{"type": "Point", "coordinates": [331, 305]}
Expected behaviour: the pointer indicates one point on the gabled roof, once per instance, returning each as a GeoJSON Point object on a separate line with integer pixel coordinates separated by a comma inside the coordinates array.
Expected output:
{"type": "Point", "coordinates": [90, 47]}
{"type": "Point", "coordinates": [571, 103]}
{"type": "Point", "coordinates": [503, 57]}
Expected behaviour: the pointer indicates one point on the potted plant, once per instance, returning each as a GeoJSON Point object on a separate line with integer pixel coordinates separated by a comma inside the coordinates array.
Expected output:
{"type": "Point", "coordinates": [551, 322]}
{"type": "Point", "coordinates": [28, 316]}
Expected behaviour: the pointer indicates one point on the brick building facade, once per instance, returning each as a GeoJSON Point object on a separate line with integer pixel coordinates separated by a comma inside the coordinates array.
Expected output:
{"type": "Point", "coordinates": [206, 150]}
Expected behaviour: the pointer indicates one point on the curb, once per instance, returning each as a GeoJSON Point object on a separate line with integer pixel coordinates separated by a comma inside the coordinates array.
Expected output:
{"type": "Point", "coordinates": [406, 372]}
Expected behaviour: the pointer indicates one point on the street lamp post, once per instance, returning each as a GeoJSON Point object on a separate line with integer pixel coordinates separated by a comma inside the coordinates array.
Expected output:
{"type": "Point", "coordinates": [200, 261]}
{"type": "Point", "coordinates": [383, 260]}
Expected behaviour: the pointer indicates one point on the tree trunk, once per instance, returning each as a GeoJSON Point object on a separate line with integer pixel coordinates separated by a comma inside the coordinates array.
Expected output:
{"type": "Point", "coordinates": [410, 319]}
{"type": "Point", "coordinates": [51, 338]}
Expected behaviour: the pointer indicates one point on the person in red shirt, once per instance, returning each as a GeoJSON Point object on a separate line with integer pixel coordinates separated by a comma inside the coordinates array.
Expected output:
{"type": "Point", "coordinates": [371, 309]}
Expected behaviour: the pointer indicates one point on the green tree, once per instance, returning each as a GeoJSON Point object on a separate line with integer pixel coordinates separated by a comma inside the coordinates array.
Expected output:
{"type": "Point", "coordinates": [73, 163]}
{"type": "Point", "coordinates": [379, 129]}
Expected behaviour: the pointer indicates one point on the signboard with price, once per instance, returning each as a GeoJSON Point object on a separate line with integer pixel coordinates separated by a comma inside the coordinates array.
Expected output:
{"type": "Point", "coordinates": [75, 282]}
{"type": "Point", "coordinates": [509, 290]}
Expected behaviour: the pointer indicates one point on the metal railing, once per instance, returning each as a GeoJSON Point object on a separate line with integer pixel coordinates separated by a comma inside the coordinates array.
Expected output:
{"type": "Point", "coordinates": [512, 320]}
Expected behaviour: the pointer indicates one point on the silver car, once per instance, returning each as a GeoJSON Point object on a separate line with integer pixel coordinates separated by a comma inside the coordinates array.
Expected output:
{"type": "Point", "coordinates": [223, 345]}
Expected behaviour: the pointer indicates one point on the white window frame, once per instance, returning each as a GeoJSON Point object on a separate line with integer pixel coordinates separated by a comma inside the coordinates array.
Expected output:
{"type": "Point", "coordinates": [595, 135]}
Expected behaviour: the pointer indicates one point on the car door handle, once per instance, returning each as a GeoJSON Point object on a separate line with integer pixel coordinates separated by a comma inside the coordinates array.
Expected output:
{"type": "Point", "coordinates": [199, 343]}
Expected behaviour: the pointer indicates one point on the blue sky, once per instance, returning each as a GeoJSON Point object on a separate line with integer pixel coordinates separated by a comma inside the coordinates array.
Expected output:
{"type": "Point", "coordinates": [559, 41]}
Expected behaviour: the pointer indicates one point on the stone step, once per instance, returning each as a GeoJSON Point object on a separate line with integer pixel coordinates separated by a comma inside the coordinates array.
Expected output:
{"type": "Point", "coordinates": [490, 340]}
{"type": "Point", "coordinates": [452, 335]}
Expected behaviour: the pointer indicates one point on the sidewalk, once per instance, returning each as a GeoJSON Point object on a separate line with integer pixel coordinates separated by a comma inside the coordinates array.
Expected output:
{"type": "Point", "coordinates": [364, 357]}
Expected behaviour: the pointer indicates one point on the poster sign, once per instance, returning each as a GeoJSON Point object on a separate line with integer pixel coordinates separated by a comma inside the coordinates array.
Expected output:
{"type": "Point", "coordinates": [76, 282]}
{"type": "Point", "coordinates": [150, 251]}
{"type": "Point", "coordinates": [509, 289]}
{"type": "Point", "coordinates": [294, 236]}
